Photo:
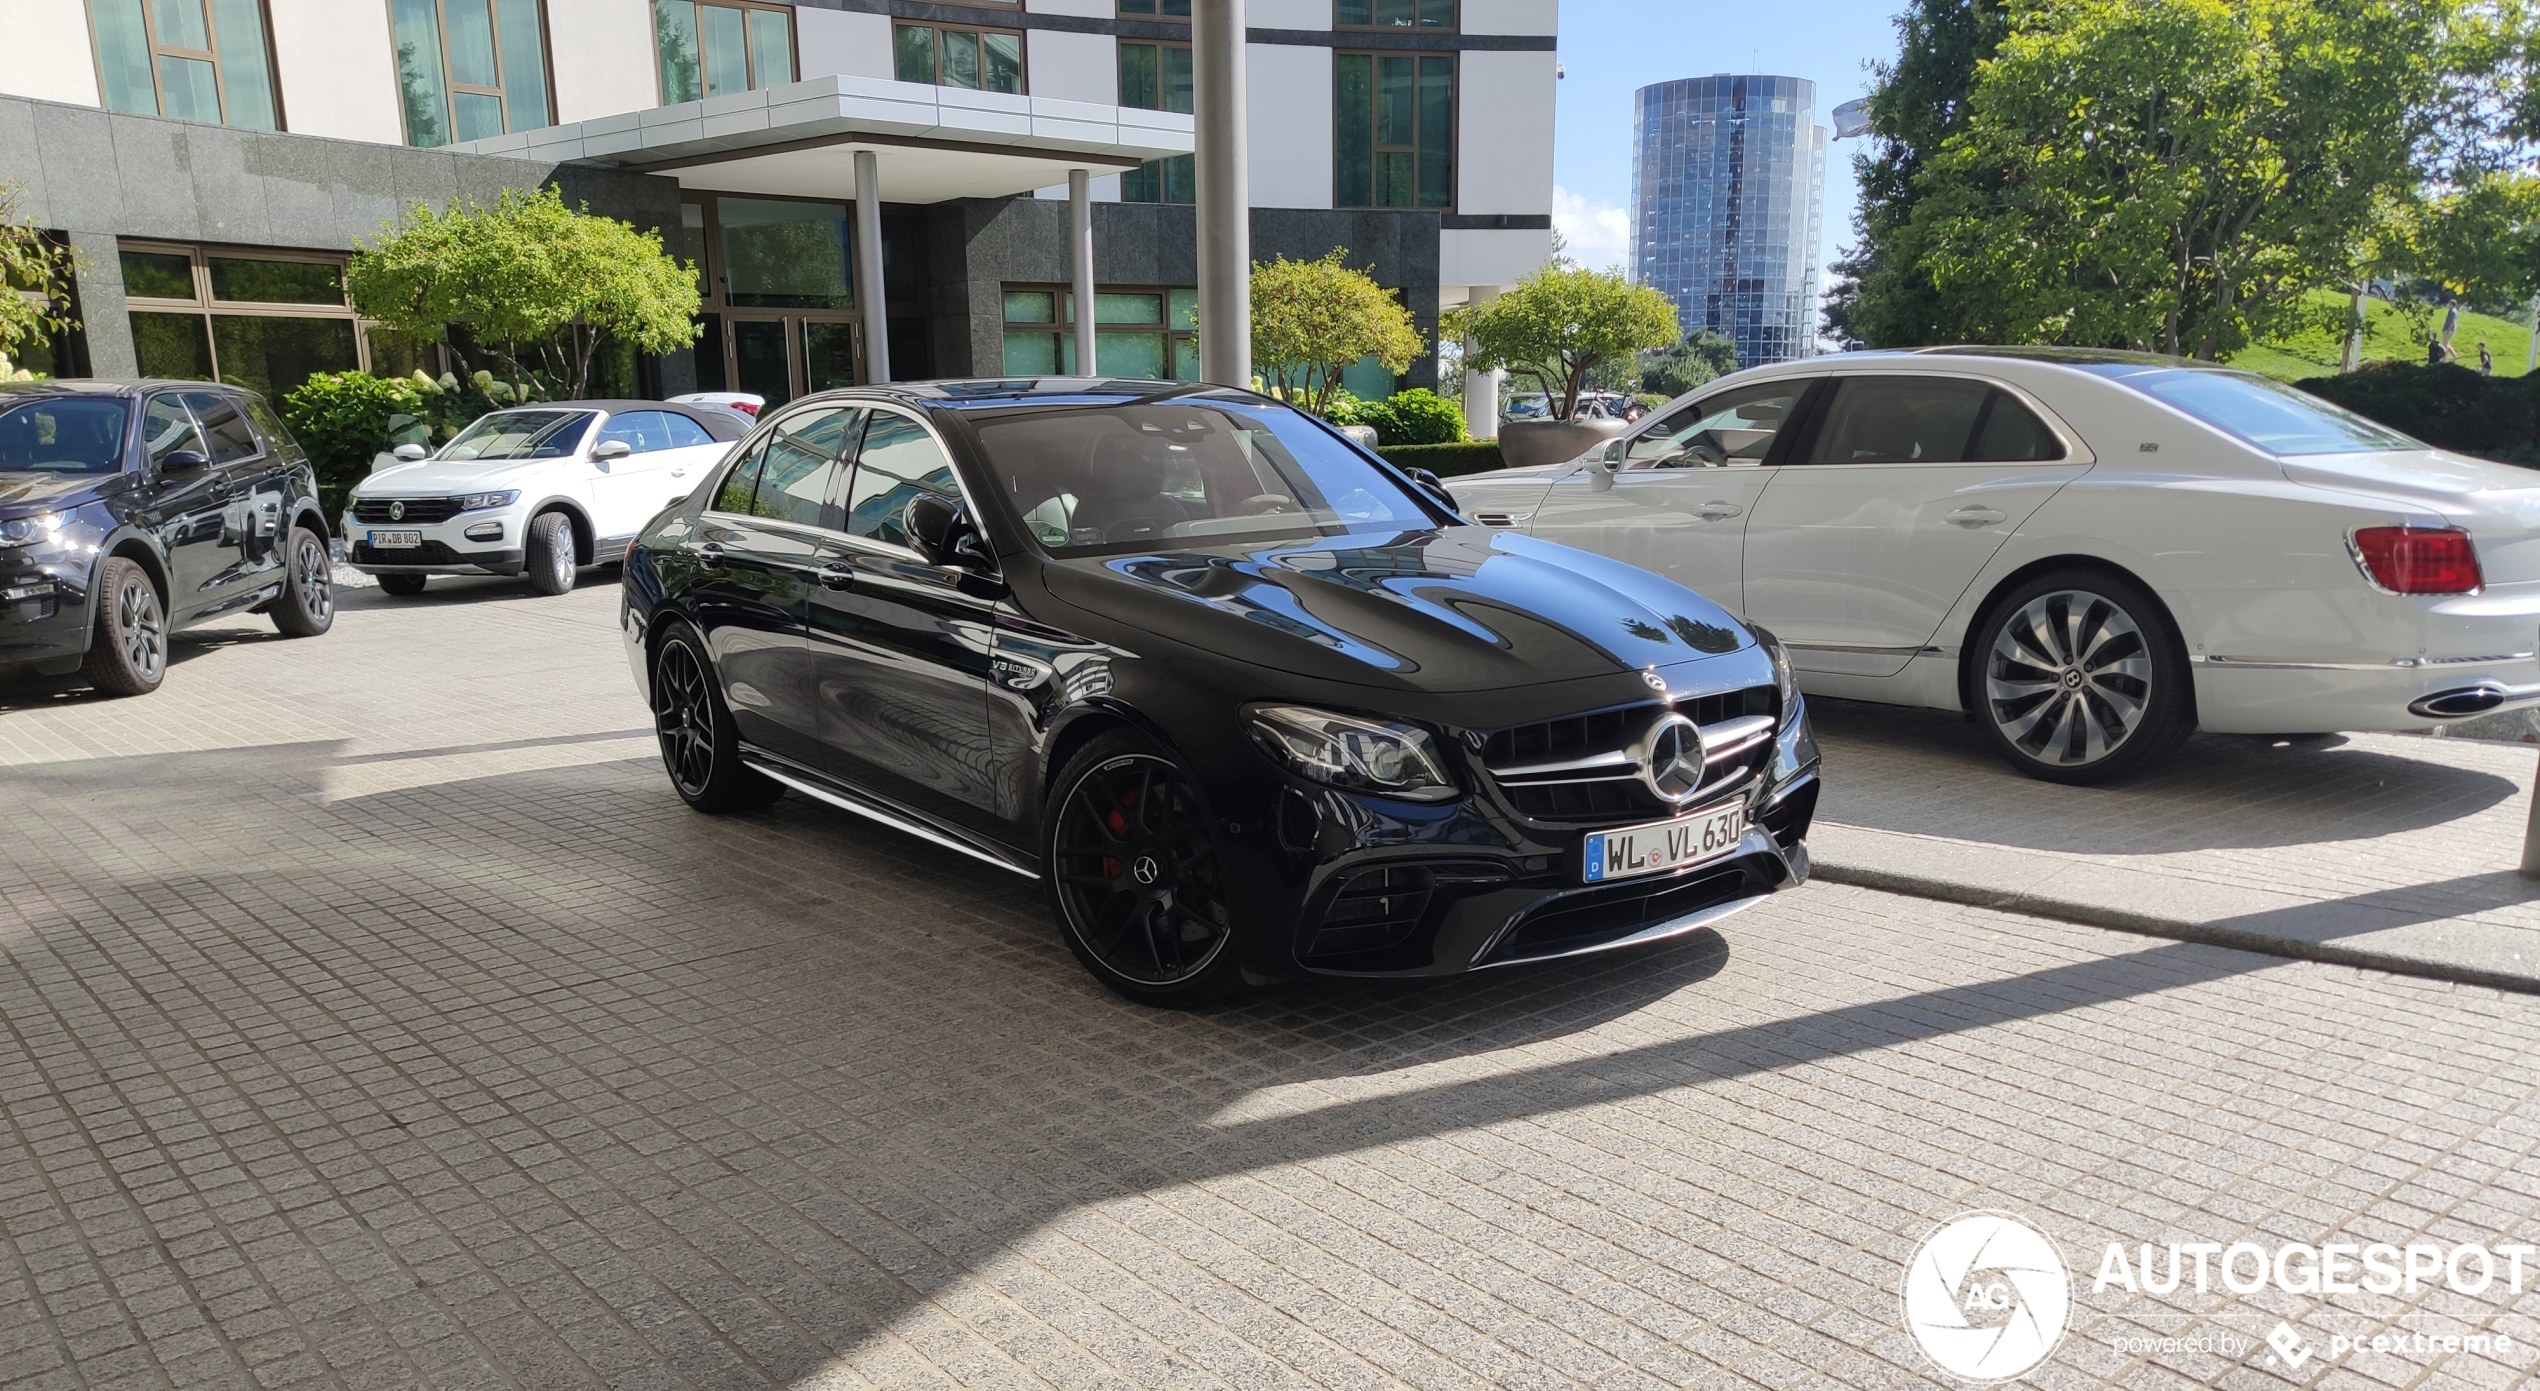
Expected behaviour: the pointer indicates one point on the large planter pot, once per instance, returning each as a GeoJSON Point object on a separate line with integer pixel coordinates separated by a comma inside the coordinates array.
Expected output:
{"type": "Point", "coordinates": [1531, 443]}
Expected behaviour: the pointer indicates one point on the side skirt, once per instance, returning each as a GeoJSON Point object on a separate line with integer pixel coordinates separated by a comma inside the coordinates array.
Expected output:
{"type": "Point", "coordinates": [821, 789]}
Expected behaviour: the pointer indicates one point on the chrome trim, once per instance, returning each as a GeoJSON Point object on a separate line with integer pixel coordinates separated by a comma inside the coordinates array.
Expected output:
{"type": "Point", "coordinates": [890, 819]}
{"type": "Point", "coordinates": [1915, 650]}
{"type": "Point", "coordinates": [2505, 696]}
{"type": "Point", "coordinates": [1729, 738]}
{"type": "Point", "coordinates": [2356, 554]}
{"type": "Point", "coordinates": [1617, 758]}
{"type": "Point", "coordinates": [2396, 664]}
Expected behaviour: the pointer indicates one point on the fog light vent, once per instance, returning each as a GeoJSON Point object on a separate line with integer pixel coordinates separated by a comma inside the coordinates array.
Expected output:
{"type": "Point", "coordinates": [485, 531]}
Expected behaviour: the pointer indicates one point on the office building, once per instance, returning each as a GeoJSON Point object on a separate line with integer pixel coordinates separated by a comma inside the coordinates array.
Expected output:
{"type": "Point", "coordinates": [1728, 194]}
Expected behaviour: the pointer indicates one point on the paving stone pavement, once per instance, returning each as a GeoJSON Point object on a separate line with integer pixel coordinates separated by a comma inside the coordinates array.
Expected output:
{"type": "Point", "coordinates": [371, 1015]}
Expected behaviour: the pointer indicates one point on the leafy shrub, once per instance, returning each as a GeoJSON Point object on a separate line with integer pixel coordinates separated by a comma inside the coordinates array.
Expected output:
{"type": "Point", "coordinates": [1447, 460]}
{"type": "Point", "coordinates": [343, 420]}
{"type": "Point", "coordinates": [1417, 416]}
{"type": "Point", "coordinates": [2449, 407]}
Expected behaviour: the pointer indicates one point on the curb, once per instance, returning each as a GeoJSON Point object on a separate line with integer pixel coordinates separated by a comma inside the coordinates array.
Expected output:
{"type": "Point", "coordinates": [2141, 924]}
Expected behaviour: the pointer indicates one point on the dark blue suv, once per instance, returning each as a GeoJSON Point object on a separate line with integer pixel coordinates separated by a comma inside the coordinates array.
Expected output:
{"type": "Point", "coordinates": [129, 509]}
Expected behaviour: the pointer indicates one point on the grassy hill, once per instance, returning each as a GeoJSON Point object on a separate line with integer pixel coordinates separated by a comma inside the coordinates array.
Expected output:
{"type": "Point", "coordinates": [2389, 335]}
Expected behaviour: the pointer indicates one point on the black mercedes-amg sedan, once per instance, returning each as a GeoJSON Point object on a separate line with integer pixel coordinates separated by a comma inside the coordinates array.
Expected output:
{"type": "Point", "coordinates": [1246, 699]}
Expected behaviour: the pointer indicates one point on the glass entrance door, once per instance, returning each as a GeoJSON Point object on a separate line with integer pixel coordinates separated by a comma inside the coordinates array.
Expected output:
{"type": "Point", "coordinates": [782, 356]}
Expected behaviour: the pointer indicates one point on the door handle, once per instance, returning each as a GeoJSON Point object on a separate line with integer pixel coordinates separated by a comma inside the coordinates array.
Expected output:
{"type": "Point", "coordinates": [679, 473]}
{"type": "Point", "coordinates": [1717, 511]}
{"type": "Point", "coordinates": [711, 553]}
{"type": "Point", "coordinates": [836, 577]}
{"type": "Point", "coordinates": [1973, 517]}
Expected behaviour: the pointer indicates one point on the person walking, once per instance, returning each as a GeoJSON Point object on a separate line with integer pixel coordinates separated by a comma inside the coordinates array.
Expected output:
{"type": "Point", "coordinates": [2486, 360]}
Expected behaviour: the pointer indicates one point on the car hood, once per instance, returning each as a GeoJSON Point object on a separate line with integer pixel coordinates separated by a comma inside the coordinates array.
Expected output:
{"type": "Point", "coordinates": [435, 477]}
{"type": "Point", "coordinates": [1455, 609]}
{"type": "Point", "coordinates": [21, 492]}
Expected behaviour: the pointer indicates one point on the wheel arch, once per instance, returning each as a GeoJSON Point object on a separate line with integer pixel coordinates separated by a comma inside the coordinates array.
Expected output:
{"type": "Point", "coordinates": [1970, 652]}
{"type": "Point", "coordinates": [135, 547]}
{"type": "Point", "coordinates": [586, 542]}
{"type": "Point", "coordinates": [310, 515]}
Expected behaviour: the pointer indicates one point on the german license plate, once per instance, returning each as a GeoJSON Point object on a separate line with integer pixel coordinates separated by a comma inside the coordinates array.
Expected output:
{"type": "Point", "coordinates": [396, 540]}
{"type": "Point", "coordinates": [1665, 845]}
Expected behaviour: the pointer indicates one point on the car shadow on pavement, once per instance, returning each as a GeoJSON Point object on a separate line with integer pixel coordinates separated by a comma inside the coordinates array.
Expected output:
{"type": "Point", "coordinates": [444, 590]}
{"type": "Point", "coordinates": [1932, 773]}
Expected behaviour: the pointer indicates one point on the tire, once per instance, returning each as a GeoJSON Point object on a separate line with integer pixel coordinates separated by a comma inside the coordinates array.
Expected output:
{"type": "Point", "coordinates": [128, 656]}
{"type": "Point", "coordinates": [2078, 677]}
{"type": "Point", "coordinates": [1135, 878]}
{"type": "Point", "coordinates": [552, 561]}
{"type": "Point", "coordinates": [307, 605]}
{"type": "Point", "coordinates": [401, 586]}
{"type": "Point", "coordinates": [700, 746]}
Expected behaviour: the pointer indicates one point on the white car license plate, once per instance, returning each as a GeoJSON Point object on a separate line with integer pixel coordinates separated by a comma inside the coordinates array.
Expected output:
{"type": "Point", "coordinates": [396, 540]}
{"type": "Point", "coordinates": [1664, 845]}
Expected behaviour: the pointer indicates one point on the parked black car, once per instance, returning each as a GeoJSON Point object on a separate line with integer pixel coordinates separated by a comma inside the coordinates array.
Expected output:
{"type": "Point", "coordinates": [1243, 697]}
{"type": "Point", "coordinates": [129, 509]}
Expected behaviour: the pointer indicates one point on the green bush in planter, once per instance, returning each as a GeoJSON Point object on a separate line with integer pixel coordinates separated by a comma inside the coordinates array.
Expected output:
{"type": "Point", "coordinates": [344, 419]}
{"type": "Point", "coordinates": [1417, 416]}
{"type": "Point", "coordinates": [1446, 460]}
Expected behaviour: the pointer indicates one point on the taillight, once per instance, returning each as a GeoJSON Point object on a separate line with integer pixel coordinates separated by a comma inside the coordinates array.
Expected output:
{"type": "Point", "coordinates": [2419, 560]}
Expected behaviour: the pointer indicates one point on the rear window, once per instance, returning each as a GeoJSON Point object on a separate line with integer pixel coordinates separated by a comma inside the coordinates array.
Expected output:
{"type": "Point", "coordinates": [2268, 414]}
{"type": "Point", "coordinates": [63, 436]}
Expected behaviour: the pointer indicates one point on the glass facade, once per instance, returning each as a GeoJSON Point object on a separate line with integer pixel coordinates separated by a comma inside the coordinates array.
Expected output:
{"type": "Point", "coordinates": [1393, 123]}
{"type": "Point", "coordinates": [1728, 195]}
{"type": "Point", "coordinates": [708, 50]}
{"type": "Point", "coordinates": [259, 319]}
{"type": "Point", "coordinates": [1157, 77]}
{"type": "Point", "coordinates": [982, 60]}
{"type": "Point", "coordinates": [471, 69]}
{"type": "Point", "coordinates": [1143, 333]}
{"type": "Point", "coordinates": [194, 60]}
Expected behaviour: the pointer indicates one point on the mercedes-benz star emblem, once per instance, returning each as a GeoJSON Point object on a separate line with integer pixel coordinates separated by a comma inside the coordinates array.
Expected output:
{"type": "Point", "coordinates": [1145, 870]}
{"type": "Point", "coordinates": [1670, 756]}
{"type": "Point", "coordinates": [396, 511]}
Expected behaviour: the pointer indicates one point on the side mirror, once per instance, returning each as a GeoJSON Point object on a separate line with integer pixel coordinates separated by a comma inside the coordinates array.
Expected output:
{"type": "Point", "coordinates": [409, 453]}
{"type": "Point", "coordinates": [1433, 485]}
{"type": "Point", "coordinates": [938, 530]}
{"type": "Point", "coordinates": [611, 449]}
{"type": "Point", "coordinates": [184, 461]}
{"type": "Point", "coordinates": [1599, 467]}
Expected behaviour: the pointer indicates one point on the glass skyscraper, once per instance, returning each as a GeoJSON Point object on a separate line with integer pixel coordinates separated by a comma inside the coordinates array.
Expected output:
{"type": "Point", "coordinates": [1728, 192]}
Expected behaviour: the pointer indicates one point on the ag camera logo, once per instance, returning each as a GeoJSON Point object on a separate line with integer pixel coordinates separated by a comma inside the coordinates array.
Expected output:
{"type": "Point", "coordinates": [1987, 1297]}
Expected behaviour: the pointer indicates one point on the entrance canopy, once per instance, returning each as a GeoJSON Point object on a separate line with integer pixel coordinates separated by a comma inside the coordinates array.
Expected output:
{"type": "Point", "coordinates": [929, 144]}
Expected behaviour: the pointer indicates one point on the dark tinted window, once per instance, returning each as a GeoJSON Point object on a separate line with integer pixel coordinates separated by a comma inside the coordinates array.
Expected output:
{"type": "Point", "coordinates": [740, 485]}
{"type": "Point", "coordinates": [1899, 420]}
{"type": "Point", "coordinates": [685, 433]}
{"type": "Point", "coordinates": [270, 426]}
{"type": "Point", "coordinates": [167, 427]}
{"type": "Point", "coordinates": [899, 461]}
{"type": "Point", "coordinates": [62, 436]}
{"type": "Point", "coordinates": [223, 426]}
{"type": "Point", "coordinates": [804, 457]}
{"type": "Point", "coordinates": [2010, 434]}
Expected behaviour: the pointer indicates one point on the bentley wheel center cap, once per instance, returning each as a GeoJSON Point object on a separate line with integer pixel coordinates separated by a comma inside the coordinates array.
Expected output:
{"type": "Point", "coordinates": [2072, 680]}
{"type": "Point", "coordinates": [1671, 758]}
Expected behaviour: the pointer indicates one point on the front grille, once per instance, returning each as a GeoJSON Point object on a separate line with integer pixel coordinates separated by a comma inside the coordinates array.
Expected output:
{"type": "Point", "coordinates": [1598, 785]}
{"type": "Point", "coordinates": [429, 553]}
{"type": "Point", "coordinates": [419, 510]}
{"type": "Point", "coordinates": [1374, 909]}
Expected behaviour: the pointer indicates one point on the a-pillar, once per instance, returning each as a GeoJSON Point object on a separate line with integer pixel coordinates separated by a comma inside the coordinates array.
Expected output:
{"type": "Point", "coordinates": [1481, 389]}
{"type": "Point", "coordinates": [1080, 255]}
{"type": "Point", "coordinates": [868, 267]}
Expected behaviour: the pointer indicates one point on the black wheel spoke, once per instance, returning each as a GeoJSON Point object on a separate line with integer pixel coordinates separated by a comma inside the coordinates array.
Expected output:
{"type": "Point", "coordinates": [1134, 871]}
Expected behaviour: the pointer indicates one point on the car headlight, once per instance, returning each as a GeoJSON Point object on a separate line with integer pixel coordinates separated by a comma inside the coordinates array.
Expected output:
{"type": "Point", "coordinates": [26, 531]}
{"type": "Point", "coordinates": [1390, 760]}
{"type": "Point", "coordinates": [478, 502]}
{"type": "Point", "coordinates": [1786, 679]}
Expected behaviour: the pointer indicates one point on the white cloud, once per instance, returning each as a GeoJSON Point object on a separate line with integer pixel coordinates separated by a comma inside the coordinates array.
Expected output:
{"type": "Point", "coordinates": [1599, 234]}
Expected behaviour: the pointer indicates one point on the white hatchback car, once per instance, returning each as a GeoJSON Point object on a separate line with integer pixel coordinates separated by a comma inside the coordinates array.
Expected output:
{"type": "Point", "coordinates": [538, 490]}
{"type": "Point", "coordinates": [2096, 552]}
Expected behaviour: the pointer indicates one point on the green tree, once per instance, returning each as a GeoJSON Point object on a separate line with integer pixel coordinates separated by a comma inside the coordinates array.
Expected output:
{"type": "Point", "coordinates": [1703, 355]}
{"type": "Point", "coordinates": [536, 286]}
{"type": "Point", "coordinates": [1313, 320]}
{"type": "Point", "coordinates": [35, 280]}
{"type": "Point", "coordinates": [1883, 297]}
{"type": "Point", "coordinates": [1560, 323]}
{"type": "Point", "coordinates": [2175, 175]}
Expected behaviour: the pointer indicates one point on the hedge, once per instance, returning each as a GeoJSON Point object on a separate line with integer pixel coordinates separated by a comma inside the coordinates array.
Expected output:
{"type": "Point", "coordinates": [2449, 407]}
{"type": "Point", "coordinates": [1446, 460]}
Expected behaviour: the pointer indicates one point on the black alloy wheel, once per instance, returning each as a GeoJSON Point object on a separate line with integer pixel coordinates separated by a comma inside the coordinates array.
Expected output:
{"type": "Point", "coordinates": [307, 606]}
{"type": "Point", "coordinates": [2081, 678]}
{"type": "Point", "coordinates": [700, 747]}
{"type": "Point", "coordinates": [128, 655]}
{"type": "Point", "coordinates": [1135, 876]}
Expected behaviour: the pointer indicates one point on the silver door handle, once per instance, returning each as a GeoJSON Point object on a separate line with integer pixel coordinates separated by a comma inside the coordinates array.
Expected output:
{"type": "Point", "coordinates": [1717, 511]}
{"type": "Point", "coordinates": [679, 473]}
{"type": "Point", "coordinates": [1974, 516]}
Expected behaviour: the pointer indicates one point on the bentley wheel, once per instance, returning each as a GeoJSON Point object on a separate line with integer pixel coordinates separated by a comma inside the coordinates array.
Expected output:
{"type": "Point", "coordinates": [1134, 876]}
{"type": "Point", "coordinates": [700, 747]}
{"type": "Point", "coordinates": [2082, 679]}
{"type": "Point", "coordinates": [307, 605]}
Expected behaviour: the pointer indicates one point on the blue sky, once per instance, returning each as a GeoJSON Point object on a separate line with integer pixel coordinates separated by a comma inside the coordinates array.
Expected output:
{"type": "Point", "coordinates": [1612, 48]}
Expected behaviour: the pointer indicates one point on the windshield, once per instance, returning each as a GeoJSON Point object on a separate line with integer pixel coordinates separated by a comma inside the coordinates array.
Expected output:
{"type": "Point", "coordinates": [1198, 467]}
{"type": "Point", "coordinates": [518, 435]}
{"type": "Point", "coordinates": [63, 435]}
{"type": "Point", "coordinates": [2268, 414]}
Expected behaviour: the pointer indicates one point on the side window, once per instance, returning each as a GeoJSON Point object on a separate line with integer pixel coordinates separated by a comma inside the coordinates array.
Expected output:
{"type": "Point", "coordinates": [2011, 434]}
{"type": "Point", "coordinates": [1735, 427]}
{"type": "Point", "coordinates": [223, 426]}
{"type": "Point", "coordinates": [900, 461]}
{"type": "Point", "coordinates": [643, 431]}
{"type": "Point", "coordinates": [804, 457]}
{"type": "Point", "coordinates": [741, 484]}
{"type": "Point", "coordinates": [276, 437]}
{"type": "Point", "coordinates": [1899, 420]}
{"type": "Point", "coordinates": [683, 432]}
{"type": "Point", "coordinates": [166, 427]}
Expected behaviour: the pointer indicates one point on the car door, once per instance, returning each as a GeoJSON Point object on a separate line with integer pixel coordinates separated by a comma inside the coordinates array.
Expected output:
{"type": "Point", "coordinates": [185, 507]}
{"type": "Point", "coordinates": [627, 490]}
{"type": "Point", "coordinates": [1679, 490]}
{"type": "Point", "coordinates": [755, 557]}
{"type": "Point", "coordinates": [900, 647]}
{"type": "Point", "coordinates": [1903, 486]}
{"type": "Point", "coordinates": [690, 455]}
{"type": "Point", "coordinates": [254, 476]}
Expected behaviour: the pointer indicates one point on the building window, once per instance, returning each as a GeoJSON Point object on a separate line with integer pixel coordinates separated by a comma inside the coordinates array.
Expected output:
{"type": "Point", "coordinates": [256, 318]}
{"type": "Point", "coordinates": [712, 50]}
{"type": "Point", "coordinates": [1394, 118]}
{"type": "Point", "coordinates": [471, 69]}
{"type": "Point", "coordinates": [1157, 77]}
{"type": "Point", "coordinates": [1142, 333]}
{"type": "Point", "coordinates": [1157, 9]}
{"type": "Point", "coordinates": [1393, 14]}
{"type": "Point", "coordinates": [983, 60]}
{"type": "Point", "coordinates": [195, 60]}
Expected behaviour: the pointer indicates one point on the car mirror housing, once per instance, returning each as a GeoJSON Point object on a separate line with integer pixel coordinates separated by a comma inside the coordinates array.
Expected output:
{"type": "Point", "coordinates": [940, 529]}
{"type": "Point", "coordinates": [185, 461]}
{"type": "Point", "coordinates": [1433, 485]}
{"type": "Point", "coordinates": [409, 453]}
{"type": "Point", "coordinates": [611, 449]}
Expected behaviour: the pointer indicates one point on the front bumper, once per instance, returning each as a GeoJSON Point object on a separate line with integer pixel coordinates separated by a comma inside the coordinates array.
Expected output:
{"type": "Point", "coordinates": [44, 615]}
{"type": "Point", "coordinates": [446, 548]}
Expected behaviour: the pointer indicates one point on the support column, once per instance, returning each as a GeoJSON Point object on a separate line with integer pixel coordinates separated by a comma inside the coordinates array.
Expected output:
{"type": "Point", "coordinates": [1225, 193]}
{"type": "Point", "coordinates": [1080, 256]}
{"type": "Point", "coordinates": [103, 324]}
{"type": "Point", "coordinates": [1481, 389]}
{"type": "Point", "coordinates": [869, 294]}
